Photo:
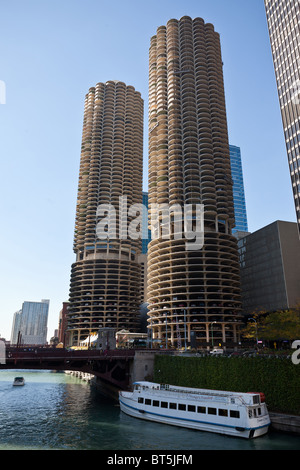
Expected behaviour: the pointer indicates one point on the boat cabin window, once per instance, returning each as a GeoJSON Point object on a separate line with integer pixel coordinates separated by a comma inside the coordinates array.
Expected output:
{"type": "Point", "coordinates": [256, 399]}
{"type": "Point", "coordinates": [164, 386]}
{"type": "Point", "coordinates": [201, 409]}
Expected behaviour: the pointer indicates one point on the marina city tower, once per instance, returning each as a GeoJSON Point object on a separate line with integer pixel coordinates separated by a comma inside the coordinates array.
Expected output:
{"type": "Point", "coordinates": [105, 279]}
{"type": "Point", "coordinates": [194, 295]}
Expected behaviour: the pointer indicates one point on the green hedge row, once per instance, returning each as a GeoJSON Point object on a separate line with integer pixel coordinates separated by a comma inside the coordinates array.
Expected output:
{"type": "Point", "coordinates": [278, 379]}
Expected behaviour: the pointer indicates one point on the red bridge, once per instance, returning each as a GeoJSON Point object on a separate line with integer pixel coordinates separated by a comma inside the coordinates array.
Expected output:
{"type": "Point", "coordinates": [112, 366]}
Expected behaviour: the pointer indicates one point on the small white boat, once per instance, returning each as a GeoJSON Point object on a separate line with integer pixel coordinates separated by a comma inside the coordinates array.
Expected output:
{"type": "Point", "coordinates": [234, 414]}
{"type": "Point", "coordinates": [19, 381]}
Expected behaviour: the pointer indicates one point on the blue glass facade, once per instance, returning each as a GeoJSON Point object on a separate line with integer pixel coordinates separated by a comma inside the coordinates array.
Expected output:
{"type": "Point", "coordinates": [34, 319]}
{"type": "Point", "coordinates": [241, 223]}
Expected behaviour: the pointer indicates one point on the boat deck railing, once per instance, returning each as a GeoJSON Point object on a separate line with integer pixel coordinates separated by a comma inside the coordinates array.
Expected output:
{"type": "Point", "coordinates": [213, 396]}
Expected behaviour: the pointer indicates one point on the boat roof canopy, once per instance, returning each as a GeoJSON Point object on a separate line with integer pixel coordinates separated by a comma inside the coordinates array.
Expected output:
{"type": "Point", "coordinates": [157, 386]}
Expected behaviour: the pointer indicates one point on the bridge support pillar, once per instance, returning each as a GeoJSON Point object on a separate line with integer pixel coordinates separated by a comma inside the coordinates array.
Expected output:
{"type": "Point", "coordinates": [106, 389]}
{"type": "Point", "coordinates": [141, 367]}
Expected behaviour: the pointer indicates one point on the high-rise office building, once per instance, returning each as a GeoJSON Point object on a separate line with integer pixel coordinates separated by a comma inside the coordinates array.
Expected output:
{"type": "Point", "coordinates": [193, 295]}
{"type": "Point", "coordinates": [270, 268]}
{"type": "Point", "coordinates": [16, 327]}
{"type": "Point", "coordinates": [240, 212]}
{"type": "Point", "coordinates": [283, 19]}
{"type": "Point", "coordinates": [30, 323]}
{"type": "Point", "coordinates": [62, 323]}
{"type": "Point", "coordinates": [105, 279]}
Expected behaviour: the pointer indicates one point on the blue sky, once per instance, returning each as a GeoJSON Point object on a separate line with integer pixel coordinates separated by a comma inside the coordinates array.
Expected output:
{"type": "Point", "coordinates": [51, 53]}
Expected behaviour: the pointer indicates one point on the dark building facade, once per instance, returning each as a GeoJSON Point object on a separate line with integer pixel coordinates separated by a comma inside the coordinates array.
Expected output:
{"type": "Point", "coordinates": [270, 268]}
{"type": "Point", "coordinates": [62, 323]}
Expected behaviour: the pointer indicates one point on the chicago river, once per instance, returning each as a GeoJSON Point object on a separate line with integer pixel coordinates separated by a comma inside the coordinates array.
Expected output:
{"type": "Point", "coordinates": [56, 411]}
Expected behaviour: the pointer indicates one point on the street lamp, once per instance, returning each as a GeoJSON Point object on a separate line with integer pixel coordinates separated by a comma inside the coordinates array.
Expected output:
{"type": "Point", "coordinates": [212, 334]}
{"type": "Point", "coordinates": [184, 329]}
{"type": "Point", "coordinates": [150, 333]}
{"type": "Point", "coordinates": [253, 319]}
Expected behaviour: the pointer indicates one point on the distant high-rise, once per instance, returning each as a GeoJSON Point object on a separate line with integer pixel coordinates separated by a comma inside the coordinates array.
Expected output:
{"type": "Point", "coordinates": [62, 323]}
{"type": "Point", "coordinates": [284, 29]}
{"type": "Point", "coordinates": [270, 268]}
{"type": "Point", "coordinates": [105, 279]}
{"type": "Point", "coordinates": [30, 323]}
{"type": "Point", "coordinates": [16, 327]}
{"type": "Point", "coordinates": [193, 295]}
{"type": "Point", "coordinates": [240, 212]}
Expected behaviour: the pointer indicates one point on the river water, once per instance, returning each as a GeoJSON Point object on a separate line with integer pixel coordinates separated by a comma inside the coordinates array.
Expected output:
{"type": "Point", "coordinates": [56, 411]}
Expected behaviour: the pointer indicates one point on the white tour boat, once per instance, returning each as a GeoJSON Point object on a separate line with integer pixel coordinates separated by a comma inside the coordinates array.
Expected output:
{"type": "Point", "coordinates": [235, 414]}
{"type": "Point", "coordinates": [19, 381]}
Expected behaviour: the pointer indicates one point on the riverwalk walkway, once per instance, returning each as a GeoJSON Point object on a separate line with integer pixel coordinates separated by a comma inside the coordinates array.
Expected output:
{"type": "Point", "coordinates": [285, 422]}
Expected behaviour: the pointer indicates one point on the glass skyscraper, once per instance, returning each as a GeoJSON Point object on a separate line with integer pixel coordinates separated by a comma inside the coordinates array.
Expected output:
{"type": "Point", "coordinates": [16, 327]}
{"type": "Point", "coordinates": [283, 18]}
{"type": "Point", "coordinates": [30, 323]}
{"type": "Point", "coordinates": [241, 224]}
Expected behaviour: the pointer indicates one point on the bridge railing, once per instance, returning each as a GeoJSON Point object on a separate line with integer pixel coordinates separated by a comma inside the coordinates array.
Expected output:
{"type": "Point", "coordinates": [19, 353]}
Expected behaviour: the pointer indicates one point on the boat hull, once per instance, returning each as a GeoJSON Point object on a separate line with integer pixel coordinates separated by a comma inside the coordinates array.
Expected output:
{"type": "Point", "coordinates": [19, 382]}
{"type": "Point", "coordinates": [128, 407]}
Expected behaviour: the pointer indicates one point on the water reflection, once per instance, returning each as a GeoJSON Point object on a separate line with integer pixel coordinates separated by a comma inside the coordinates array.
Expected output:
{"type": "Point", "coordinates": [58, 411]}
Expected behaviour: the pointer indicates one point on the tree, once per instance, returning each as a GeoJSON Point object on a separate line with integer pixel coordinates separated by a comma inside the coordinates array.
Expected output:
{"type": "Point", "coordinates": [275, 326]}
